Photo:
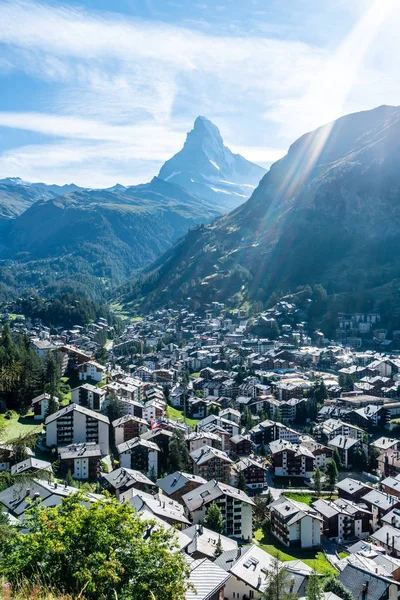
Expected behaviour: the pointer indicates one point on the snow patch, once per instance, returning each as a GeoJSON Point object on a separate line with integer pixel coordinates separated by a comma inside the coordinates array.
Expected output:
{"type": "Point", "coordinates": [172, 175]}
{"type": "Point", "coordinates": [214, 164]}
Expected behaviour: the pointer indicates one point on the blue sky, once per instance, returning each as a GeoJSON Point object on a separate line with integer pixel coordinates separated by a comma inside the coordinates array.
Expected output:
{"type": "Point", "coordinates": [99, 92]}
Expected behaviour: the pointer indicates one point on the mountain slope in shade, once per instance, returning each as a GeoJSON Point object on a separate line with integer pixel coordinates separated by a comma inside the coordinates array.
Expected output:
{"type": "Point", "coordinates": [114, 233]}
{"type": "Point", "coordinates": [207, 168]}
{"type": "Point", "coordinates": [328, 212]}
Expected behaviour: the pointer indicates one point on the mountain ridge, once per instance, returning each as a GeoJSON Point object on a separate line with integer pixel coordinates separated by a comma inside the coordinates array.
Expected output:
{"type": "Point", "coordinates": [329, 207]}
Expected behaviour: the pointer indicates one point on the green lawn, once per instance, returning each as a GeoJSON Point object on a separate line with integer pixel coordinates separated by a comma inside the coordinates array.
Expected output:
{"type": "Point", "coordinates": [196, 375]}
{"type": "Point", "coordinates": [177, 415]}
{"type": "Point", "coordinates": [343, 554]}
{"type": "Point", "coordinates": [313, 558]}
{"type": "Point", "coordinates": [307, 498]}
{"type": "Point", "coordinates": [17, 425]}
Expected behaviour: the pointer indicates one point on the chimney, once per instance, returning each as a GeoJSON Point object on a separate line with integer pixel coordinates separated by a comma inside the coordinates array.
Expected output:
{"type": "Point", "coordinates": [239, 553]}
{"type": "Point", "coordinates": [27, 493]}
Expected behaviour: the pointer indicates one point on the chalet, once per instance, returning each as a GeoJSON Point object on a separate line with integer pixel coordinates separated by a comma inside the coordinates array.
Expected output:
{"type": "Point", "coordinates": [235, 505]}
{"type": "Point", "coordinates": [254, 471]}
{"type": "Point", "coordinates": [263, 433]}
{"type": "Point", "coordinates": [346, 447]}
{"type": "Point", "coordinates": [125, 482]}
{"type": "Point", "coordinates": [140, 455]}
{"type": "Point", "coordinates": [32, 465]}
{"type": "Point", "coordinates": [208, 580]}
{"type": "Point", "coordinates": [249, 566]}
{"type": "Point", "coordinates": [91, 371]}
{"type": "Point", "coordinates": [212, 463]}
{"type": "Point", "coordinates": [128, 427]}
{"type": "Point", "coordinates": [350, 489]}
{"type": "Point", "coordinates": [203, 438]}
{"type": "Point", "coordinates": [379, 504]}
{"type": "Point", "coordinates": [292, 460]}
{"type": "Point", "coordinates": [175, 485]}
{"type": "Point", "coordinates": [241, 445]}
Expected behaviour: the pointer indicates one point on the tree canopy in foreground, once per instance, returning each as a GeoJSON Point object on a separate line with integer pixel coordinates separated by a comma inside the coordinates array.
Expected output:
{"type": "Point", "coordinates": [103, 550]}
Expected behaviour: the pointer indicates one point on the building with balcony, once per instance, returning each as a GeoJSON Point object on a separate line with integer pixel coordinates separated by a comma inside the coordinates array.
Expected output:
{"type": "Point", "coordinates": [295, 524]}
{"type": "Point", "coordinates": [76, 424]}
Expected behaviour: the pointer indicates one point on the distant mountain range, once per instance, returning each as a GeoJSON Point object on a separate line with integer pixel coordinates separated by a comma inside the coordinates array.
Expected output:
{"type": "Point", "coordinates": [17, 195]}
{"type": "Point", "coordinates": [207, 168]}
{"type": "Point", "coordinates": [328, 212]}
{"type": "Point", "coordinates": [109, 234]}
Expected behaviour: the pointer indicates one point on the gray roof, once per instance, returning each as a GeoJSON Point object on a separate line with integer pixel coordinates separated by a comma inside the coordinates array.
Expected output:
{"type": "Point", "coordinates": [136, 442]}
{"type": "Point", "coordinates": [210, 491]}
{"type": "Point", "coordinates": [205, 453]}
{"type": "Point", "coordinates": [122, 477]}
{"type": "Point", "coordinates": [380, 499]}
{"type": "Point", "coordinates": [81, 450]}
{"type": "Point", "coordinates": [160, 505]}
{"type": "Point", "coordinates": [342, 441]}
{"type": "Point", "coordinates": [205, 541]}
{"type": "Point", "coordinates": [292, 510]}
{"type": "Point", "coordinates": [354, 579]}
{"type": "Point", "coordinates": [31, 463]}
{"type": "Point", "coordinates": [76, 407]}
{"type": "Point", "coordinates": [176, 481]}
{"type": "Point", "coordinates": [126, 419]}
{"type": "Point", "coordinates": [206, 577]}
{"type": "Point", "coordinates": [351, 486]}
{"type": "Point", "coordinates": [385, 533]}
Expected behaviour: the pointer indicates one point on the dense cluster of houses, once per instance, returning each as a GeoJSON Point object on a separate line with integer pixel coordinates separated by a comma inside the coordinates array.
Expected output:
{"type": "Point", "coordinates": [254, 415]}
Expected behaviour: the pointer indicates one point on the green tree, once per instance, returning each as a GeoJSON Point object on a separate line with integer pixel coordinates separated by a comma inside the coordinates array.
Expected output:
{"type": "Point", "coordinates": [262, 449]}
{"type": "Point", "coordinates": [214, 520]}
{"type": "Point", "coordinates": [178, 453]}
{"type": "Point", "coordinates": [278, 583]}
{"type": "Point", "coordinates": [331, 474]}
{"type": "Point", "coordinates": [332, 584]}
{"type": "Point", "coordinates": [337, 459]}
{"type": "Point", "coordinates": [69, 480]}
{"type": "Point", "coordinates": [314, 588]}
{"type": "Point", "coordinates": [241, 481]}
{"type": "Point", "coordinates": [101, 548]}
{"type": "Point", "coordinates": [317, 481]}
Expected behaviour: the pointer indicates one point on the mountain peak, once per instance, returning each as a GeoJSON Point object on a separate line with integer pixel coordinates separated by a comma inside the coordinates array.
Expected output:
{"type": "Point", "coordinates": [207, 168]}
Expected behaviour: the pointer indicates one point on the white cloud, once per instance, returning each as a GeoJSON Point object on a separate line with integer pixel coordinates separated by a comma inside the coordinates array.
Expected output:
{"type": "Point", "coordinates": [116, 86]}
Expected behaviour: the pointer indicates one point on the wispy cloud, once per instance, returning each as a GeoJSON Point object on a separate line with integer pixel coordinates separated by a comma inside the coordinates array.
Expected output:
{"type": "Point", "coordinates": [131, 88]}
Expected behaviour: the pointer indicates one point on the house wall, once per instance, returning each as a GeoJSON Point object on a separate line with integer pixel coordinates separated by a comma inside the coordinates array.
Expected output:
{"type": "Point", "coordinates": [236, 589]}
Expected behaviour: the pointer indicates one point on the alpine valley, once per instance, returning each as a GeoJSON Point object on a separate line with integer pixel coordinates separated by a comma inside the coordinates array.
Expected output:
{"type": "Point", "coordinates": [327, 213]}
{"type": "Point", "coordinates": [66, 238]}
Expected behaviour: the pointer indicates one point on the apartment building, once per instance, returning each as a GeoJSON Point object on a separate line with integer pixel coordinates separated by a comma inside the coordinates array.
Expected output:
{"type": "Point", "coordinates": [77, 424]}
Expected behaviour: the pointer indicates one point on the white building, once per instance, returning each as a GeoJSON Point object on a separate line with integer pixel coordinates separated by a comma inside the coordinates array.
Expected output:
{"type": "Point", "coordinates": [295, 523]}
{"type": "Point", "coordinates": [90, 396]}
{"type": "Point", "coordinates": [91, 370]}
{"type": "Point", "coordinates": [77, 424]}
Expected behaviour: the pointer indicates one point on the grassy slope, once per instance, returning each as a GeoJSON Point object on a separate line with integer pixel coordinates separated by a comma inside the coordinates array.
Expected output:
{"type": "Point", "coordinates": [17, 425]}
{"type": "Point", "coordinates": [177, 415]}
{"type": "Point", "coordinates": [313, 558]}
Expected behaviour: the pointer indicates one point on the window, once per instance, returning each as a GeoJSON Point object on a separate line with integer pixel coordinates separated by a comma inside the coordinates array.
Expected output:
{"type": "Point", "coordinates": [251, 594]}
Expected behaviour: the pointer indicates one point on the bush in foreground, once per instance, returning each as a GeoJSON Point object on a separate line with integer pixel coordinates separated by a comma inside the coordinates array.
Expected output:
{"type": "Point", "coordinates": [101, 550]}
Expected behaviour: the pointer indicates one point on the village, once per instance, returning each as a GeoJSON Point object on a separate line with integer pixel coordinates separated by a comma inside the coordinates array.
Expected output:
{"type": "Point", "coordinates": [256, 439]}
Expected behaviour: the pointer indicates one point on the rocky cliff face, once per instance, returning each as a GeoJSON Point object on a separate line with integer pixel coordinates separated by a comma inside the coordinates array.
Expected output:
{"type": "Point", "coordinates": [207, 168]}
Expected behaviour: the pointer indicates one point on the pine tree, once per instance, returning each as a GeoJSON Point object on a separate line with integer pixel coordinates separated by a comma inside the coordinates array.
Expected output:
{"type": "Point", "coordinates": [337, 459]}
{"type": "Point", "coordinates": [314, 588]}
{"type": "Point", "coordinates": [152, 474]}
{"type": "Point", "coordinates": [69, 480]}
{"type": "Point", "coordinates": [317, 481]}
{"type": "Point", "coordinates": [331, 473]}
{"type": "Point", "coordinates": [241, 481]}
{"type": "Point", "coordinates": [178, 453]}
{"type": "Point", "coordinates": [262, 449]}
{"type": "Point", "coordinates": [278, 583]}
